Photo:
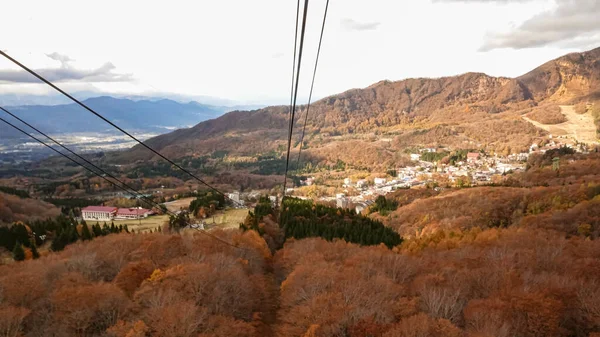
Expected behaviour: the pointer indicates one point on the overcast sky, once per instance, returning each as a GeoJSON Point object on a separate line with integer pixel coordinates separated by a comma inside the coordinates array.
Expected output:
{"type": "Point", "coordinates": [242, 50]}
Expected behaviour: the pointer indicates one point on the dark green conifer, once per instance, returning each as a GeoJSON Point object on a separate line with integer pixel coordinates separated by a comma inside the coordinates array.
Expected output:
{"type": "Point", "coordinates": [85, 232]}
{"type": "Point", "coordinates": [34, 250]}
{"type": "Point", "coordinates": [18, 252]}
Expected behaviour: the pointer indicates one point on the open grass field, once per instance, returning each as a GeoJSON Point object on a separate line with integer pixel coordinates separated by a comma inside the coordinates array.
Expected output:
{"type": "Point", "coordinates": [176, 205]}
{"type": "Point", "coordinates": [230, 218]}
{"type": "Point", "coordinates": [144, 225]}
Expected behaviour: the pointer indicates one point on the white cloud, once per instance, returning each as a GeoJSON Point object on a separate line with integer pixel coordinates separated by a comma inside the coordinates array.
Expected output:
{"type": "Point", "coordinates": [573, 23]}
{"type": "Point", "coordinates": [63, 59]}
{"type": "Point", "coordinates": [242, 50]}
{"type": "Point", "coordinates": [66, 73]}
{"type": "Point", "coordinates": [350, 24]}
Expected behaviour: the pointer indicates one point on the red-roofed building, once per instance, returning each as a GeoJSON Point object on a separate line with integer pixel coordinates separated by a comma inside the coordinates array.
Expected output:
{"type": "Point", "coordinates": [104, 213]}
{"type": "Point", "coordinates": [472, 156]}
{"type": "Point", "coordinates": [132, 213]}
{"type": "Point", "coordinates": [98, 213]}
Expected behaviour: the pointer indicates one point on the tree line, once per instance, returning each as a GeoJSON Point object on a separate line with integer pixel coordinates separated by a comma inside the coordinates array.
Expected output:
{"type": "Point", "coordinates": [206, 203]}
{"type": "Point", "coordinates": [60, 231]}
{"type": "Point", "coordinates": [14, 191]}
{"type": "Point", "coordinates": [302, 219]}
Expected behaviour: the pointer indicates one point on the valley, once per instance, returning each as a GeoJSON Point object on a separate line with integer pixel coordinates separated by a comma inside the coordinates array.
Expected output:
{"type": "Point", "coordinates": [23, 149]}
{"type": "Point", "coordinates": [446, 207]}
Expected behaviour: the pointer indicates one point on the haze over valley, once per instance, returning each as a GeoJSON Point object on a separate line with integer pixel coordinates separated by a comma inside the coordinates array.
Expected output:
{"type": "Point", "coordinates": [70, 123]}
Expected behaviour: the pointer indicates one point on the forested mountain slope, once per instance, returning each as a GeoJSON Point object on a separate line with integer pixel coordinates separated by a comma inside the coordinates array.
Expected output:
{"type": "Point", "coordinates": [14, 208]}
{"type": "Point", "coordinates": [469, 110]}
{"type": "Point", "coordinates": [520, 259]}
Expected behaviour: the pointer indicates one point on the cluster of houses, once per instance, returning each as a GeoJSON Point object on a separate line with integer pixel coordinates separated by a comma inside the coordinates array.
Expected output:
{"type": "Point", "coordinates": [107, 213]}
{"type": "Point", "coordinates": [477, 168]}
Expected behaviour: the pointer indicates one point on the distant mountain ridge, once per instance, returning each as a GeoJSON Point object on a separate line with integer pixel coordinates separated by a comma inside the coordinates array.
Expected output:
{"type": "Point", "coordinates": [470, 110]}
{"type": "Point", "coordinates": [156, 116]}
{"type": "Point", "coordinates": [55, 98]}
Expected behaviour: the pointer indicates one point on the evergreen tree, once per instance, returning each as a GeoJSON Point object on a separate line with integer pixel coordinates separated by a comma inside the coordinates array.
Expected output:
{"type": "Point", "coordinates": [85, 232]}
{"type": "Point", "coordinates": [72, 234]}
{"type": "Point", "coordinates": [60, 241]}
{"type": "Point", "coordinates": [18, 252]}
{"type": "Point", "coordinates": [302, 219]}
{"type": "Point", "coordinates": [34, 250]}
{"type": "Point", "coordinates": [179, 221]}
{"type": "Point", "coordinates": [97, 230]}
{"type": "Point", "coordinates": [20, 233]}
{"type": "Point", "coordinates": [126, 229]}
{"type": "Point", "coordinates": [105, 229]}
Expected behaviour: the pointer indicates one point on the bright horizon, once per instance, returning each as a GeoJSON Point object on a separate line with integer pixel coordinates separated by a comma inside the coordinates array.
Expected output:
{"type": "Point", "coordinates": [242, 51]}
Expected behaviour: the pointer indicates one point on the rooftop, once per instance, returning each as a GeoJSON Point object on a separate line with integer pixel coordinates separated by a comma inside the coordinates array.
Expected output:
{"type": "Point", "coordinates": [132, 211]}
{"type": "Point", "coordinates": [99, 209]}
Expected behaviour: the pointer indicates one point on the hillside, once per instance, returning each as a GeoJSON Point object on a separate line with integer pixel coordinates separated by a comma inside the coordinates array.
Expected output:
{"type": "Point", "coordinates": [467, 273]}
{"type": "Point", "coordinates": [540, 198]}
{"type": "Point", "coordinates": [567, 79]}
{"type": "Point", "coordinates": [14, 208]}
{"type": "Point", "coordinates": [470, 110]}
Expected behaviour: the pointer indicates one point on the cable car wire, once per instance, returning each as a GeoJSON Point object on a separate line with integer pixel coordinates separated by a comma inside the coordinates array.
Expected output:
{"type": "Point", "coordinates": [291, 125]}
{"type": "Point", "coordinates": [113, 124]}
{"type": "Point", "coordinates": [312, 84]}
{"type": "Point", "coordinates": [109, 181]}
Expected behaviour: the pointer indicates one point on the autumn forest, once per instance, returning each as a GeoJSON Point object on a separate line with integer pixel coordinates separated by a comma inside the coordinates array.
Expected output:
{"type": "Point", "coordinates": [518, 256]}
{"type": "Point", "coordinates": [521, 258]}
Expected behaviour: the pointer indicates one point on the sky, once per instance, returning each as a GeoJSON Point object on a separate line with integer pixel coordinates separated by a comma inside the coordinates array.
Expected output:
{"type": "Point", "coordinates": [243, 50]}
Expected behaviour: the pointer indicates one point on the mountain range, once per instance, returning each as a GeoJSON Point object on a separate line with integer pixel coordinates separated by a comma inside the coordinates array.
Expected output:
{"type": "Point", "coordinates": [375, 125]}
{"type": "Point", "coordinates": [137, 115]}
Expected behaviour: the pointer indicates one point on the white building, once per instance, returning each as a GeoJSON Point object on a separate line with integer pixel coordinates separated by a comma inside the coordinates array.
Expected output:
{"type": "Point", "coordinates": [415, 156]}
{"type": "Point", "coordinates": [273, 199]}
{"type": "Point", "coordinates": [106, 213]}
{"type": "Point", "coordinates": [533, 147]}
{"type": "Point", "coordinates": [99, 213]}
{"type": "Point", "coordinates": [361, 183]}
{"type": "Point", "coordinates": [132, 213]}
{"type": "Point", "coordinates": [235, 196]}
{"type": "Point", "coordinates": [347, 181]}
{"type": "Point", "coordinates": [342, 202]}
{"type": "Point", "coordinates": [379, 181]}
{"type": "Point", "coordinates": [386, 189]}
{"type": "Point", "coordinates": [362, 206]}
